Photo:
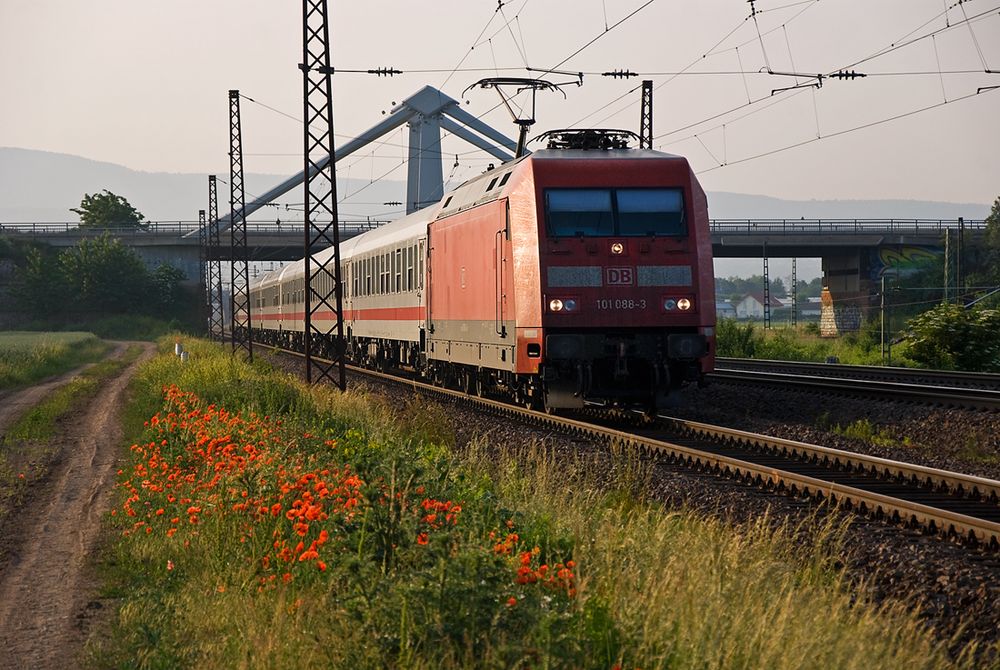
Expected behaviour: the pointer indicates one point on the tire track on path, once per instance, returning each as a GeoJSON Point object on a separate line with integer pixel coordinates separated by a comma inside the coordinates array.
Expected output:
{"type": "Point", "coordinates": [44, 585]}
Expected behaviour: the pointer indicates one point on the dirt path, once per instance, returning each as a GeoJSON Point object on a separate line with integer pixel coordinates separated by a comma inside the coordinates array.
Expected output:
{"type": "Point", "coordinates": [44, 585]}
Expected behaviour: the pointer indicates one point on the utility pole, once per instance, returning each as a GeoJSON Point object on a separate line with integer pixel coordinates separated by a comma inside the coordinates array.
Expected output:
{"type": "Point", "coordinates": [767, 292]}
{"type": "Point", "coordinates": [206, 305]}
{"type": "Point", "coordinates": [947, 257]}
{"type": "Point", "coordinates": [795, 296]}
{"type": "Point", "coordinates": [882, 318]}
{"type": "Point", "coordinates": [959, 279]}
{"type": "Point", "coordinates": [239, 268]}
{"type": "Point", "coordinates": [646, 118]}
{"type": "Point", "coordinates": [323, 282]}
{"type": "Point", "coordinates": [216, 313]}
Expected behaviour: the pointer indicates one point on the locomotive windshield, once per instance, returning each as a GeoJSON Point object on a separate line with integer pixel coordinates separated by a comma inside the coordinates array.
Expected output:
{"type": "Point", "coordinates": [615, 212]}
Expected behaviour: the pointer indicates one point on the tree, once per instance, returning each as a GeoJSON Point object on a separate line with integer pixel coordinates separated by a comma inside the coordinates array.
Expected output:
{"type": "Point", "coordinates": [104, 275]}
{"type": "Point", "coordinates": [97, 277]}
{"type": "Point", "coordinates": [107, 210]}
{"type": "Point", "coordinates": [950, 337]}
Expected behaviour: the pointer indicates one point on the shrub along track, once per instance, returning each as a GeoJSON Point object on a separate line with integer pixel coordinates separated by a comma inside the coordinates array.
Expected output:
{"type": "Point", "coordinates": [46, 588]}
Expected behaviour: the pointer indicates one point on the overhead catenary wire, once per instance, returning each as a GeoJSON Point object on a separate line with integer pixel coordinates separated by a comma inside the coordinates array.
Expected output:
{"type": "Point", "coordinates": [507, 22]}
{"type": "Point", "coordinates": [851, 130]}
{"type": "Point", "coordinates": [877, 54]}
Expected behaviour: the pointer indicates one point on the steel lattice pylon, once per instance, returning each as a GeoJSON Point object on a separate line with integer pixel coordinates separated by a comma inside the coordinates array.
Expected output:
{"type": "Point", "coordinates": [323, 285]}
{"type": "Point", "coordinates": [646, 120]}
{"type": "Point", "coordinates": [216, 313]}
{"type": "Point", "coordinates": [206, 305]}
{"type": "Point", "coordinates": [240, 269]}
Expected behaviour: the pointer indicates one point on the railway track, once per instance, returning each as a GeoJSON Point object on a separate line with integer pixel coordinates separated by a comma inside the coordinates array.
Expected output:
{"type": "Point", "coordinates": [951, 389]}
{"type": "Point", "coordinates": [949, 503]}
{"type": "Point", "coordinates": [945, 378]}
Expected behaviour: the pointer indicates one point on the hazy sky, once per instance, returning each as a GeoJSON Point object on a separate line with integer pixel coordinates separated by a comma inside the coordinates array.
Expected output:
{"type": "Point", "coordinates": [144, 84]}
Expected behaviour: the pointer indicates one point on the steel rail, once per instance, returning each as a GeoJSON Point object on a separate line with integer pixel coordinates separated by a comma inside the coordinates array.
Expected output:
{"type": "Point", "coordinates": [949, 378]}
{"type": "Point", "coordinates": [947, 522]}
{"type": "Point", "coordinates": [986, 399]}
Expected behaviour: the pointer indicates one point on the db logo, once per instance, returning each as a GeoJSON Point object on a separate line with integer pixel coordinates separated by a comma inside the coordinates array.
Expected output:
{"type": "Point", "coordinates": [619, 276]}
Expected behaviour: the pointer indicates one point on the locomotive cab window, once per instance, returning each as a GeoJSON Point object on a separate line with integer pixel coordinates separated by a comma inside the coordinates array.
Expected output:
{"type": "Point", "coordinates": [580, 212]}
{"type": "Point", "coordinates": [621, 212]}
{"type": "Point", "coordinates": [650, 211]}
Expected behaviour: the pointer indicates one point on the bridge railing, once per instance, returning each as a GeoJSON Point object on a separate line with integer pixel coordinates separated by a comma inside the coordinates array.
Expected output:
{"type": "Point", "coordinates": [841, 226]}
{"type": "Point", "coordinates": [170, 228]}
{"type": "Point", "coordinates": [354, 227]}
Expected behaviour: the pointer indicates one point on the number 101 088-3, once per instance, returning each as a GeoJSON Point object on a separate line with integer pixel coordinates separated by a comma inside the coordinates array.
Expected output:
{"type": "Point", "coordinates": [620, 303]}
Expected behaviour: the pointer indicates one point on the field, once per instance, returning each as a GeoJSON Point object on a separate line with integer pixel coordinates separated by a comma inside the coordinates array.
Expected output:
{"type": "Point", "coordinates": [263, 523]}
{"type": "Point", "coordinates": [26, 357]}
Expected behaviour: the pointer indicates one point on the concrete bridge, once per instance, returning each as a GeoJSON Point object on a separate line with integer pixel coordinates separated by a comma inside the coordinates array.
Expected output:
{"type": "Point", "coordinates": [172, 242]}
{"type": "Point", "coordinates": [855, 253]}
{"type": "Point", "coordinates": [833, 239]}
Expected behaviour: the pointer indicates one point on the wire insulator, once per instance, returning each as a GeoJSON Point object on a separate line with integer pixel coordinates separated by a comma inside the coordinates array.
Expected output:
{"type": "Point", "coordinates": [847, 74]}
{"type": "Point", "coordinates": [619, 74]}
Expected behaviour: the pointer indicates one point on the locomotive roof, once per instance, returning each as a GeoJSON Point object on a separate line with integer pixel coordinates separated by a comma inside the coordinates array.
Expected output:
{"type": "Point", "coordinates": [478, 190]}
{"type": "Point", "coordinates": [474, 192]}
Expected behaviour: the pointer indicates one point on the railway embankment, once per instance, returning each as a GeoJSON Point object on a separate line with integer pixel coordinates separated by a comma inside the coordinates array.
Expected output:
{"type": "Point", "coordinates": [261, 522]}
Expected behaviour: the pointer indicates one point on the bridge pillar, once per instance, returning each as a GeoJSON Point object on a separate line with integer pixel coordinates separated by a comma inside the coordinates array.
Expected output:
{"type": "Point", "coordinates": [424, 183]}
{"type": "Point", "coordinates": [847, 291]}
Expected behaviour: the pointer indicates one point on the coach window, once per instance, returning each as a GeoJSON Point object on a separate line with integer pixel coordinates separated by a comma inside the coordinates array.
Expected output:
{"type": "Point", "coordinates": [383, 262]}
{"type": "Point", "coordinates": [409, 268]}
{"type": "Point", "coordinates": [420, 264]}
{"type": "Point", "coordinates": [399, 270]}
{"type": "Point", "coordinates": [381, 274]}
{"type": "Point", "coordinates": [579, 212]}
{"type": "Point", "coordinates": [392, 271]}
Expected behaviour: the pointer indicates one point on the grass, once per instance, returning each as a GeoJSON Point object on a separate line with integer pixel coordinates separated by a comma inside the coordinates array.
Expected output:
{"type": "Point", "coordinates": [121, 326]}
{"type": "Point", "coordinates": [27, 451]}
{"type": "Point", "coordinates": [27, 357]}
{"type": "Point", "coordinates": [40, 422]}
{"type": "Point", "coordinates": [747, 340]}
{"type": "Point", "coordinates": [418, 554]}
{"type": "Point", "coordinates": [862, 429]}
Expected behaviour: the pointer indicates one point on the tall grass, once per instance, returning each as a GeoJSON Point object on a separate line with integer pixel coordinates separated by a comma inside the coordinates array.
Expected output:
{"type": "Point", "coordinates": [549, 561]}
{"type": "Point", "coordinates": [748, 340]}
{"type": "Point", "coordinates": [26, 357]}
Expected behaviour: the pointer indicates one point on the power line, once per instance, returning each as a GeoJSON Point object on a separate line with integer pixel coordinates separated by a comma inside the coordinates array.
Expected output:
{"type": "Point", "coordinates": [848, 130]}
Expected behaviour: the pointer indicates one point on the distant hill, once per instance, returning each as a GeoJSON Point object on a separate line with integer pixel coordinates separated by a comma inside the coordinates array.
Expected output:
{"type": "Point", "coordinates": [742, 206]}
{"type": "Point", "coordinates": [43, 186]}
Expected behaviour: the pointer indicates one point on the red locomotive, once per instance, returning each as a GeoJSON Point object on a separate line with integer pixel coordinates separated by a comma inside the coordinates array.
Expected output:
{"type": "Point", "coordinates": [577, 275]}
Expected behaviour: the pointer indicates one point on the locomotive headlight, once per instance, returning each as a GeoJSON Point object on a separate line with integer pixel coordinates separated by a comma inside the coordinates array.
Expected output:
{"type": "Point", "coordinates": [564, 305]}
{"type": "Point", "coordinates": [617, 248]}
{"type": "Point", "coordinates": [669, 304]}
{"type": "Point", "coordinates": [684, 304]}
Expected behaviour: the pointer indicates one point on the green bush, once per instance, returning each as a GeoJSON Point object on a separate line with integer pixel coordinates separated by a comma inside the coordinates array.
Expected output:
{"type": "Point", "coordinates": [950, 337]}
{"type": "Point", "coordinates": [735, 340]}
